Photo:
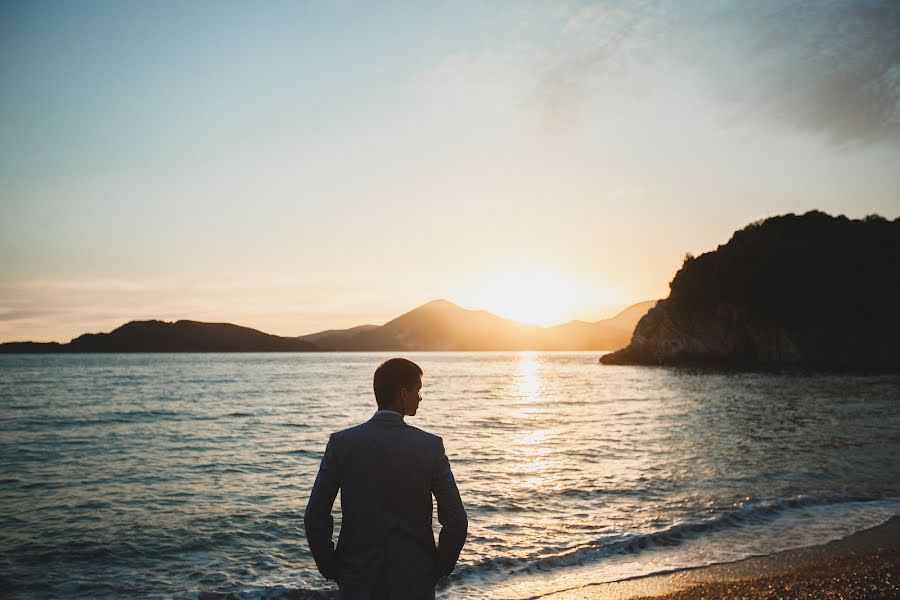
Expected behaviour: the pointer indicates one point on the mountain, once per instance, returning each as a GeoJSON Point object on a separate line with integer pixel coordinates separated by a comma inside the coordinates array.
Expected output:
{"type": "Point", "coordinates": [629, 317]}
{"type": "Point", "coordinates": [607, 334]}
{"type": "Point", "coordinates": [442, 325]}
{"type": "Point", "coordinates": [437, 325]}
{"type": "Point", "coordinates": [179, 336]}
{"type": "Point", "coordinates": [336, 333]}
{"type": "Point", "coordinates": [811, 291]}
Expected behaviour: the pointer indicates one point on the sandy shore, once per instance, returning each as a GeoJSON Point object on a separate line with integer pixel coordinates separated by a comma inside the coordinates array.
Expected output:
{"type": "Point", "coordinates": [865, 565]}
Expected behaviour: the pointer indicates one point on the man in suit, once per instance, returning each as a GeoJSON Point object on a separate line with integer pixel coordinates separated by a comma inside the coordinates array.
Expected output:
{"type": "Point", "coordinates": [387, 472]}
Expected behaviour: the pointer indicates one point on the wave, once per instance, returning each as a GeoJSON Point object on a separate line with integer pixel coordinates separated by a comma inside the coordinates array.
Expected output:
{"type": "Point", "coordinates": [137, 416]}
{"type": "Point", "coordinates": [268, 593]}
{"type": "Point", "coordinates": [468, 577]}
{"type": "Point", "coordinates": [99, 419]}
{"type": "Point", "coordinates": [748, 513]}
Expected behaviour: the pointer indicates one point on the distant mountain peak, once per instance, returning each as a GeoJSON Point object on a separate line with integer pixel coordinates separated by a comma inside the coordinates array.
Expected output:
{"type": "Point", "coordinates": [136, 325]}
{"type": "Point", "coordinates": [144, 322]}
{"type": "Point", "coordinates": [440, 303]}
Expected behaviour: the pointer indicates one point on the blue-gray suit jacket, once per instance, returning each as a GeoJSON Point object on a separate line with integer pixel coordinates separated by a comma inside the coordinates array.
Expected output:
{"type": "Point", "coordinates": [387, 472]}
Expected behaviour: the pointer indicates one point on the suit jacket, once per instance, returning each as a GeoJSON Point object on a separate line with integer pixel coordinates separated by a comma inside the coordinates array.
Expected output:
{"type": "Point", "coordinates": [387, 472]}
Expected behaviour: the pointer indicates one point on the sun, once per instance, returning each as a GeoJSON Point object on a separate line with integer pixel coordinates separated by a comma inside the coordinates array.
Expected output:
{"type": "Point", "coordinates": [535, 297]}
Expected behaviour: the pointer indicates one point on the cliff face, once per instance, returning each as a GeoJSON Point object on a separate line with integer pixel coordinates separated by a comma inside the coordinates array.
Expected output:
{"type": "Point", "coordinates": [731, 335]}
{"type": "Point", "coordinates": [810, 290]}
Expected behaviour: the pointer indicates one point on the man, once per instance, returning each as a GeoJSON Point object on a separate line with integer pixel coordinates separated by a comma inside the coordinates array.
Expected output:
{"type": "Point", "coordinates": [387, 472]}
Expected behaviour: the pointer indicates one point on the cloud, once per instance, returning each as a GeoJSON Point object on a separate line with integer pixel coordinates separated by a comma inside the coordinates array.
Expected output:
{"type": "Point", "coordinates": [825, 67]}
{"type": "Point", "coordinates": [596, 42]}
{"type": "Point", "coordinates": [82, 285]}
{"type": "Point", "coordinates": [21, 314]}
{"type": "Point", "coordinates": [830, 67]}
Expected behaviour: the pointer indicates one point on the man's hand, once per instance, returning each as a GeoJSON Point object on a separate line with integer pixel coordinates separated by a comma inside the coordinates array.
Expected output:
{"type": "Point", "coordinates": [317, 519]}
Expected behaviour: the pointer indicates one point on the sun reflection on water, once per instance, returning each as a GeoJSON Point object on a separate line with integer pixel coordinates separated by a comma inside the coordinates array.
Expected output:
{"type": "Point", "coordinates": [529, 449]}
{"type": "Point", "coordinates": [528, 380]}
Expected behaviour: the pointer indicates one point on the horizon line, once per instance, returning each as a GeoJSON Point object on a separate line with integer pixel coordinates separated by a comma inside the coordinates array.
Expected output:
{"type": "Point", "coordinates": [459, 306]}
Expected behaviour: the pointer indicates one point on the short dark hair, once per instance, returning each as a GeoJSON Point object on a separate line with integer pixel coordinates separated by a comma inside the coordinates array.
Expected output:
{"type": "Point", "coordinates": [392, 375]}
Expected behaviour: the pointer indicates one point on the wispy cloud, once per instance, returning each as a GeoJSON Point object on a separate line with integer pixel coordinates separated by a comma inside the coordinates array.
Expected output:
{"type": "Point", "coordinates": [84, 285]}
{"type": "Point", "coordinates": [828, 67]}
{"type": "Point", "coordinates": [24, 314]}
{"type": "Point", "coordinates": [831, 67]}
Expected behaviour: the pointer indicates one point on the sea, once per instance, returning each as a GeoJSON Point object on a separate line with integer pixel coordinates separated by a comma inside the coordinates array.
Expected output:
{"type": "Point", "coordinates": [187, 475]}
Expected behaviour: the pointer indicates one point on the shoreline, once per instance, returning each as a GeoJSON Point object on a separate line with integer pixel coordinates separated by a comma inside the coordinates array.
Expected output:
{"type": "Point", "coordinates": [865, 564]}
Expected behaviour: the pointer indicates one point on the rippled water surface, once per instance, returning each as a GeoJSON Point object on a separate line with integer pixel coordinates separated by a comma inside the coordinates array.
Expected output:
{"type": "Point", "coordinates": [178, 475]}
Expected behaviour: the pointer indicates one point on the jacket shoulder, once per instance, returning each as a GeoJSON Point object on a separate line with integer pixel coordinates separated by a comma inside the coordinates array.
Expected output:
{"type": "Point", "coordinates": [425, 436]}
{"type": "Point", "coordinates": [348, 432]}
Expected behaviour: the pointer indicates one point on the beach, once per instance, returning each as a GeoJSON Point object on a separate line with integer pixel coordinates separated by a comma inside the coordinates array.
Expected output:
{"type": "Point", "coordinates": [863, 565]}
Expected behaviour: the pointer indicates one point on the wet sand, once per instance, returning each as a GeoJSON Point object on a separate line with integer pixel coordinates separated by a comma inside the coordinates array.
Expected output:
{"type": "Point", "coordinates": [865, 565]}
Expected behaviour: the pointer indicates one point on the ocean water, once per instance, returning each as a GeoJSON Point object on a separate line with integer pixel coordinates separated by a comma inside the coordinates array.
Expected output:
{"type": "Point", "coordinates": [186, 475]}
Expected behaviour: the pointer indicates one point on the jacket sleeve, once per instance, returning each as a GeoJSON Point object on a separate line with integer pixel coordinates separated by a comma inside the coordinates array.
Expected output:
{"type": "Point", "coordinates": [317, 520]}
{"type": "Point", "coordinates": [451, 515]}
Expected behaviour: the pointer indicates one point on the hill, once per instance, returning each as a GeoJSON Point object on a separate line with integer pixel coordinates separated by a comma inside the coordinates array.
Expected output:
{"type": "Point", "coordinates": [336, 333]}
{"type": "Point", "coordinates": [811, 290]}
{"type": "Point", "coordinates": [180, 336]}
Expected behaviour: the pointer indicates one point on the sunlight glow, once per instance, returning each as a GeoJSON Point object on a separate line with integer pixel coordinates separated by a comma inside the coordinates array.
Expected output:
{"type": "Point", "coordinates": [530, 296]}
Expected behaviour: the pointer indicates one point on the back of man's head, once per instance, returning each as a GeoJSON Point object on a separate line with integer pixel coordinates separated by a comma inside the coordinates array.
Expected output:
{"type": "Point", "coordinates": [391, 376]}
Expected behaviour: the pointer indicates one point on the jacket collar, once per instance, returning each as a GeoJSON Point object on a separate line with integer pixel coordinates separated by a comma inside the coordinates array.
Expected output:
{"type": "Point", "coordinates": [387, 416]}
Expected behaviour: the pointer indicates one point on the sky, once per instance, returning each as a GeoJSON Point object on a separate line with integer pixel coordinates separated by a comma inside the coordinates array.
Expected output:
{"type": "Point", "coordinates": [299, 166]}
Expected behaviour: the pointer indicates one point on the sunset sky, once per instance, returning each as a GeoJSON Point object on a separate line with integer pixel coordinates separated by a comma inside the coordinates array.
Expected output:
{"type": "Point", "coordinates": [297, 166]}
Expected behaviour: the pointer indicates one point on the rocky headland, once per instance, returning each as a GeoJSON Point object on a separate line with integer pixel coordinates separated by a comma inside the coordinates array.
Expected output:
{"type": "Point", "coordinates": [809, 290]}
